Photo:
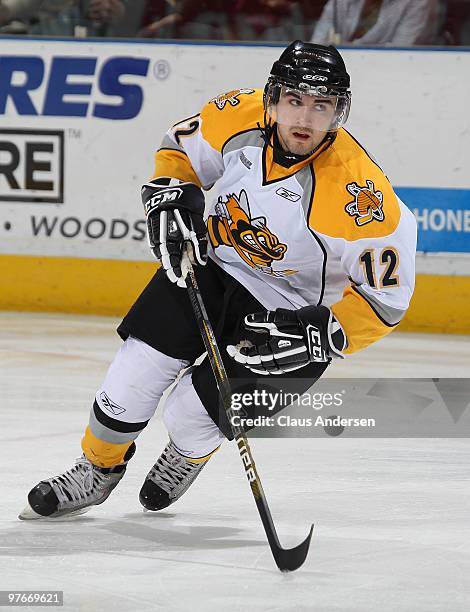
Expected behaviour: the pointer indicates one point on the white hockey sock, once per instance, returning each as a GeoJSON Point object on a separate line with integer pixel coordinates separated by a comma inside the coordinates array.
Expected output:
{"type": "Point", "coordinates": [135, 381]}
{"type": "Point", "coordinates": [191, 429]}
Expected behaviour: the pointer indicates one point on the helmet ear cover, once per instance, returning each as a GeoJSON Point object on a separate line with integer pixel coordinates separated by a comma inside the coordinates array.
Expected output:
{"type": "Point", "coordinates": [272, 92]}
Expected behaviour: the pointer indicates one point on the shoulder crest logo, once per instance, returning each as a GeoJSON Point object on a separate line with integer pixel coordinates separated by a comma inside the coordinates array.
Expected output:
{"type": "Point", "coordinates": [231, 97]}
{"type": "Point", "coordinates": [367, 203]}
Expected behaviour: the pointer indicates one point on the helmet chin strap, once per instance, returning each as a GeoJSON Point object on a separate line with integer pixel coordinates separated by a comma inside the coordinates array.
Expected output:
{"type": "Point", "coordinates": [280, 155]}
{"type": "Point", "coordinates": [283, 156]}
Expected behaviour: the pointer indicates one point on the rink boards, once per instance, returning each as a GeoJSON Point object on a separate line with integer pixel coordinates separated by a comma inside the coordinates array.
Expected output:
{"type": "Point", "coordinates": [81, 120]}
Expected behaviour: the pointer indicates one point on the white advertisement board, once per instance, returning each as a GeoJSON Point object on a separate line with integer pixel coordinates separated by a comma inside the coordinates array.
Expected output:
{"type": "Point", "coordinates": [81, 120]}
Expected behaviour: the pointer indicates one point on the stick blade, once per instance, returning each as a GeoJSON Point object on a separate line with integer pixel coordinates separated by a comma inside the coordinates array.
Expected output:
{"type": "Point", "coordinates": [290, 559]}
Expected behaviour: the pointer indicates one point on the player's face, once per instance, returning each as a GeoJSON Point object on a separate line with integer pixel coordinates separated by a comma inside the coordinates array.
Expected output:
{"type": "Point", "coordinates": [303, 120]}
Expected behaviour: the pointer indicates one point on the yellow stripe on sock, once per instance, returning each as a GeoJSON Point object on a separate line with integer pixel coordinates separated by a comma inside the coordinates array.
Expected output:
{"type": "Point", "coordinates": [201, 459]}
{"type": "Point", "coordinates": [102, 453]}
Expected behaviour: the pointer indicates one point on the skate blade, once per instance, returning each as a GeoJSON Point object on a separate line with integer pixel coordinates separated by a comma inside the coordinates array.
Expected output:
{"type": "Point", "coordinates": [28, 514]}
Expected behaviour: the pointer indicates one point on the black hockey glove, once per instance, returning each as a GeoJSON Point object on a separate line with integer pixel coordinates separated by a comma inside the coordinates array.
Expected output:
{"type": "Point", "coordinates": [297, 338]}
{"type": "Point", "coordinates": [175, 216]}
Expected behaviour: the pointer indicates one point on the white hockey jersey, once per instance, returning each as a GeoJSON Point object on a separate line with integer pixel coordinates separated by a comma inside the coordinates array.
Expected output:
{"type": "Point", "coordinates": [328, 230]}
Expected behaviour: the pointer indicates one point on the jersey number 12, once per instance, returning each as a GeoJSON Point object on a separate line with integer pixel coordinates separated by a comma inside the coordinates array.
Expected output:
{"type": "Point", "coordinates": [389, 260]}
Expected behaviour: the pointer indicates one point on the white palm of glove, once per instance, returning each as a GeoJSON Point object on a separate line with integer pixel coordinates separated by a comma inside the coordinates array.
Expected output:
{"type": "Point", "coordinates": [295, 339]}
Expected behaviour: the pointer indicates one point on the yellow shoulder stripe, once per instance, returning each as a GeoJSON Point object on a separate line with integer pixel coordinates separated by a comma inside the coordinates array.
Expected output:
{"type": "Point", "coordinates": [231, 113]}
{"type": "Point", "coordinates": [359, 321]}
{"type": "Point", "coordinates": [353, 198]}
{"type": "Point", "coordinates": [175, 164]}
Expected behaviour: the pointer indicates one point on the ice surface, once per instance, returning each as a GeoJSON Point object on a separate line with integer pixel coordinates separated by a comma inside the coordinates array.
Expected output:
{"type": "Point", "coordinates": [391, 515]}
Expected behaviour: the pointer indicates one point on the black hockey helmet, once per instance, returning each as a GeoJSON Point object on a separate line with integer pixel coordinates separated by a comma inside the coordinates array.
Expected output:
{"type": "Point", "coordinates": [305, 65]}
{"type": "Point", "coordinates": [314, 70]}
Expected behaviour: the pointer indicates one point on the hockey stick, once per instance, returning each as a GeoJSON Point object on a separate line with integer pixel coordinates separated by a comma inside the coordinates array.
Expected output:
{"type": "Point", "coordinates": [287, 559]}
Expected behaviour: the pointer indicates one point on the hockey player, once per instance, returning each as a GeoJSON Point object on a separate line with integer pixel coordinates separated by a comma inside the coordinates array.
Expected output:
{"type": "Point", "coordinates": [305, 241]}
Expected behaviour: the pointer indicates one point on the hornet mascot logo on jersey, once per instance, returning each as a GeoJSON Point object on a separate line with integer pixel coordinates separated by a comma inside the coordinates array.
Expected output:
{"type": "Point", "coordinates": [233, 226]}
{"type": "Point", "coordinates": [367, 203]}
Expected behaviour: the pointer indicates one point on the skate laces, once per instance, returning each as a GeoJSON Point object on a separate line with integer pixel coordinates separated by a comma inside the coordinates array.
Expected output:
{"type": "Point", "coordinates": [78, 483]}
{"type": "Point", "coordinates": [172, 469]}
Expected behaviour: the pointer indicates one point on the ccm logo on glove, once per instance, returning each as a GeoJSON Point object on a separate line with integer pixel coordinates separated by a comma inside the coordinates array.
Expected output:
{"type": "Point", "coordinates": [162, 197]}
{"type": "Point", "coordinates": [315, 348]}
{"type": "Point", "coordinates": [174, 212]}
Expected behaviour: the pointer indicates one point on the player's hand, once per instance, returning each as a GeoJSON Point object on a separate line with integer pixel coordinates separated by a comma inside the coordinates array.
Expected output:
{"type": "Point", "coordinates": [175, 216]}
{"type": "Point", "coordinates": [296, 338]}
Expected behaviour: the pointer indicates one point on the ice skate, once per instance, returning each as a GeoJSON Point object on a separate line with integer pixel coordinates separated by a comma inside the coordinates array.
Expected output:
{"type": "Point", "coordinates": [169, 478]}
{"type": "Point", "coordinates": [75, 491]}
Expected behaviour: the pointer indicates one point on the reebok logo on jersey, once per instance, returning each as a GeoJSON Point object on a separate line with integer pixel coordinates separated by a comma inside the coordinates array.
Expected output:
{"type": "Point", "coordinates": [245, 161]}
{"type": "Point", "coordinates": [288, 195]}
{"type": "Point", "coordinates": [109, 405]}
{"type": "Point", "coordinates": [367, 203]}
